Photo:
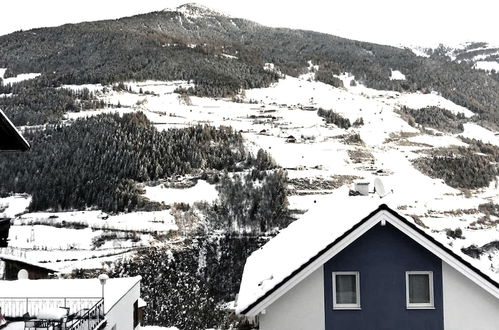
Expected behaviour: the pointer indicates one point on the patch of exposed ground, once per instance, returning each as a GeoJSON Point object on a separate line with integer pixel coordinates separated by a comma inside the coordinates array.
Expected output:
{"type": "Point", "coordinates": [307, 186]}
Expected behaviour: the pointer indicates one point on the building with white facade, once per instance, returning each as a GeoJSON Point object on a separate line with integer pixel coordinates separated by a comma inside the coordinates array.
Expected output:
{"type": "Point", "coordinates": [79, 304]}
{"type": "Point", "coordinates": [354, 270]}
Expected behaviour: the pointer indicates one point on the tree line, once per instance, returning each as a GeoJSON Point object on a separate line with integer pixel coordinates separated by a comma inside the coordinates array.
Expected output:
{"type": "Point", "coordinates": [31, 103]}
{"type": "Point", "coordinates": [167, 46]}
{"type": "Point", "coordinates": [470, 167]}
{"type": "Point", "coordinates": [189, 287]}
{"type": "Point", "coordinates": [96, 162]}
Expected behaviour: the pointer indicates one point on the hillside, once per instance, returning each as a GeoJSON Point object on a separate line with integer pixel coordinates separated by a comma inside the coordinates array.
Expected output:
{"type": "Point", "coordinates": [178, 142]}
{"type": "Point", "coordinates": [198, 44]}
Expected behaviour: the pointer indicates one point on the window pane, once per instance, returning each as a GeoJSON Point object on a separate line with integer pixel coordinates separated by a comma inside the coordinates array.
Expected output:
{"type": "Point", "coordinates": [419, 288]}
{"type": "Point", "coordinates": [346, 289]}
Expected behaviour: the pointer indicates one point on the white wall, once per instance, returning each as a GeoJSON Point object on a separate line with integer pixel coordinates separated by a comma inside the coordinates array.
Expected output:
{"type": "Point", "coordinates": [466, 305]}
{"type": "Point", "coordinates": [301, 308]}
{"type": "Point", "coordinates": [121, 314]}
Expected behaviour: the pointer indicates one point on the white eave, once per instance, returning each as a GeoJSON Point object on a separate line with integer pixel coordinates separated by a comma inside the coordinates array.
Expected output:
{"type": "Point", "coordinates": [382, 215]}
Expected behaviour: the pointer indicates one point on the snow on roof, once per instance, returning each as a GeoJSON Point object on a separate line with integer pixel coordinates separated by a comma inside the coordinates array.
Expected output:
{"type": "Point", "coordinates": [114, 289]}
{"type": "Point", "coordinates": [155, 327]}
{"type": "Point", "coordinates": [14, 326]}
{"type": "Point", "coordinates": [27, 262]}
{"type": "Point", "coordinates": [306, 237]}
{"type": "Point", "coordinates": [297, 243]}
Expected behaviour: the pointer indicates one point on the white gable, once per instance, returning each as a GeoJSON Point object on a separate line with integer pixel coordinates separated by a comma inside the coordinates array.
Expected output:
{"type": "Point", "coordinates": [288, 253]}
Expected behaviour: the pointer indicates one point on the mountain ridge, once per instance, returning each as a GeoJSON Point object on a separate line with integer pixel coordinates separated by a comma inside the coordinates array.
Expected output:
{"type": "Point", "coordinates": [159, 151]}
{"type": "Point", "coordinates": [170, 46]}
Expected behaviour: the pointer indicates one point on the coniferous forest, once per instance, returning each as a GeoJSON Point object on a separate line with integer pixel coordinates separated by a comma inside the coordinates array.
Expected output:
{"type": "Point", "coordinates": [103, 162]}
{"type": "Point", "coordinates": [97, 162]}
{"type": "Point", "coordinates": [166, 46]}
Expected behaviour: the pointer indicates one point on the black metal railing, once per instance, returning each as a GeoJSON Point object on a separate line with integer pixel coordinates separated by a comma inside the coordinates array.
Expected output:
{"type": "Point", "coordinates": [87, 319]}
{"type": "Point", "coordinates": [78, 317]}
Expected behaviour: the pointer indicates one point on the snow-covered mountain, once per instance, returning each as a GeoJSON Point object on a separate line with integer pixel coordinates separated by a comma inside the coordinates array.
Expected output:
{"type": "Point", "coordinates": [194, 10]}
{"type": "Point", "coordinates": [331, 112]}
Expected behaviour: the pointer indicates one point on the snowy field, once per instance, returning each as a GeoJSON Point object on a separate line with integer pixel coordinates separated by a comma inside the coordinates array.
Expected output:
{"type": "Point", "coordinates": [18, 78]}
{"type": "Point", "coordinates": [267, 117]}
{"type": "Point", "coordinates": [202, 191]}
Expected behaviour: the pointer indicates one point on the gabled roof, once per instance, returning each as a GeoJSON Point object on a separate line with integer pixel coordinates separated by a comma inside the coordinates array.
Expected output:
{"type": "Point", "coordinates": [10, 138]}
{"type": "Point", "coordinates": [263, 282]}
{"type": "Point", "coordinates": [7, 257]}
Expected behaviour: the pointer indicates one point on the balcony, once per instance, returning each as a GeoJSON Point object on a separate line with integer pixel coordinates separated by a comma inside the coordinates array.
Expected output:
{"type": "Point", "coordinates": [40, 313]}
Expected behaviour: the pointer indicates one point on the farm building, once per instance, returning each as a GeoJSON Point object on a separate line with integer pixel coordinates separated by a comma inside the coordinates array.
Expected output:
{"type": "Point", "coordinates": [11, 266]}
{"type": "Point", "coordinates": [345, 268]}
{"type": "Point", "coordinates": [84, 304]}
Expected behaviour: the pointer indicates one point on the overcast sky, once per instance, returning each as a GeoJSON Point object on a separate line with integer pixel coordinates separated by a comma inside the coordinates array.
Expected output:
{"type": "Point", "coordinates": [416, 22]}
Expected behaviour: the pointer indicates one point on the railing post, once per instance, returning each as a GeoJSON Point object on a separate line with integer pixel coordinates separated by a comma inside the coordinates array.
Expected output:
{"type": "Point", "coordinates": [27, 305]}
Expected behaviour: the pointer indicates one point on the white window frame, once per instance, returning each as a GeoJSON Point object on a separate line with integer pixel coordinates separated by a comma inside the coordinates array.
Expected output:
{"type": "Point", "coordinates": [431, 304]}
{"type": "Point", "coordinates": [357, 281]}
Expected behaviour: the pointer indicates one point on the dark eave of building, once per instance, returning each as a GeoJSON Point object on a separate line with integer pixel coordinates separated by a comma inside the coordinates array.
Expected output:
{"type": "Point", "coordinates": [26, 263]}
{"type": "Point", "coordinates": [10, 138]}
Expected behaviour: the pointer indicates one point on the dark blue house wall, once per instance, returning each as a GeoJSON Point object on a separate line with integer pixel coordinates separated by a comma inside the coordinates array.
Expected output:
{"type": "Point", "coordinates": [382, 256]}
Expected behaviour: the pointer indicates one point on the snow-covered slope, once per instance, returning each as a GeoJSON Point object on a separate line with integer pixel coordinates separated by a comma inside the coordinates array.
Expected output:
{"type": "Point", "coordinates": [320, 152]}
{"type": "Point", "coordinates": [481, 55]}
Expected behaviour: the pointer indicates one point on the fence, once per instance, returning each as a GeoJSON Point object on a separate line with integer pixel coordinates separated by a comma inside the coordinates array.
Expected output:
{"type": "Point", "coordinates": [17, 307]}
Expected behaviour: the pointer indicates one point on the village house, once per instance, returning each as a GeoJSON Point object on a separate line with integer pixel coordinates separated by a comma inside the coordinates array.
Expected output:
{"type": "Point", "coordinates": [344, 268]}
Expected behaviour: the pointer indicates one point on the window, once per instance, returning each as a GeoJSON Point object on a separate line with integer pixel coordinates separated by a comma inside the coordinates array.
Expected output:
{"type": "Point", "coordinates": [346, 290]}
{"type": "Point", "coordinates": [419, 290]}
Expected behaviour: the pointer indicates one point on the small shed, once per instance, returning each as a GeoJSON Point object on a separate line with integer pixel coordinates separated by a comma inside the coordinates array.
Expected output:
{"type": "Point", "coordinates": [362, 187]}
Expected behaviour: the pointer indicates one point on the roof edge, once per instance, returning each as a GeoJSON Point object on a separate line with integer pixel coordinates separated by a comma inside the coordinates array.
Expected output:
{"type": "Point", "coordinates": [312, 259]}
{"type": "Point", "coordinates": [24, 143]}
{"type": "Point", "coordinates": [381, 207]}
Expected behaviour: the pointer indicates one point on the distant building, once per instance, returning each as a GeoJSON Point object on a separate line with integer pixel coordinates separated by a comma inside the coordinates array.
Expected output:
{"type": "Point", "coordinates": [379, 271]}
{"type": "Point", "coordinates": [10, 266]}
{"type": "Point", "coordinates": [80, 304]}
